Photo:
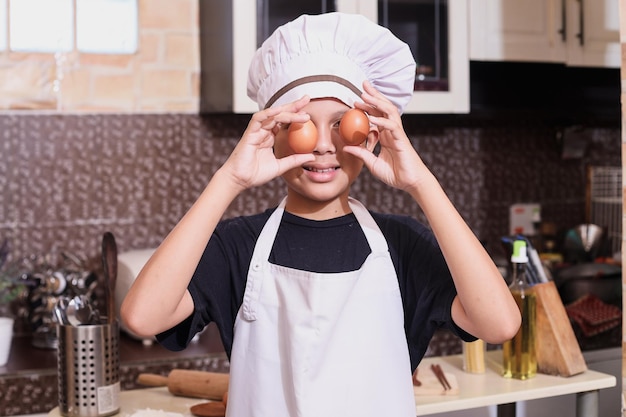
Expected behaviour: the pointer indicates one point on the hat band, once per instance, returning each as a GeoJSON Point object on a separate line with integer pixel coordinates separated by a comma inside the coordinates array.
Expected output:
{"type": "Point", "coordinates": [312, 79]}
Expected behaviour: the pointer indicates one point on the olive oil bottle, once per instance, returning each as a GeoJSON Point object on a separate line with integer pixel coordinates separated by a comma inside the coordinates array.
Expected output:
{"type": "Point", "coordinates": [519, 355]}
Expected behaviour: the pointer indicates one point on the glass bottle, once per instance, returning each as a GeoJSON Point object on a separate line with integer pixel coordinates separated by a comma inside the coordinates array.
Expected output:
{"type": "Point", "coordinates": [519, 355]}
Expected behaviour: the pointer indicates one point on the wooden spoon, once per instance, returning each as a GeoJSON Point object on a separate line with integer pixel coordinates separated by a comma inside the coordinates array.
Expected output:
{"type": "Point", "coordinates": [109, 262]}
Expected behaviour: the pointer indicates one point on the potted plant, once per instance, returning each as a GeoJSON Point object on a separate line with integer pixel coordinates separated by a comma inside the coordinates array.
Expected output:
{"type": "Point", "coordinates": [11, 288]}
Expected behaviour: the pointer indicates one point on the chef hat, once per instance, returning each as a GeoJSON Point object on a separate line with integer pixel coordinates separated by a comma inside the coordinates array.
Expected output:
{"type": "Point", "coordinates": [330, 55]}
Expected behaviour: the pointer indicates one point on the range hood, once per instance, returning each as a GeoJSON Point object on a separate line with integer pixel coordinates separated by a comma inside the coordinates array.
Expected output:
{"type": "Point", "coordinates": [550, 91]}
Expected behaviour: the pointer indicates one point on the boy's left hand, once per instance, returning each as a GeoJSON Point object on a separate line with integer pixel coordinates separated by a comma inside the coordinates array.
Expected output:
{"type": "Point", "coordinates": [397, 164]}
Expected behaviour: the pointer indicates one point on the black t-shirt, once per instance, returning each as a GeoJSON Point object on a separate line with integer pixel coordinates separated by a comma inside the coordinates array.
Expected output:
{"type": "Point", "coordinates": [328, 246]}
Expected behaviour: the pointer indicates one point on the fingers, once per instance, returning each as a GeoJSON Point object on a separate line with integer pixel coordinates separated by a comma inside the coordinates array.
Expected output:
{"type": "Point", "coordinates": [289, 112]}
{"type": "Point", "coordinates": [293, 161]}
{"type": "Point", "coordinates": [264, 124]}
{"type": "Point", "coordinates": [281, 114]}
{"type": "Point", "coordinates": [367, 156]}
{"type": "Point", "coordinates": [380, 105]}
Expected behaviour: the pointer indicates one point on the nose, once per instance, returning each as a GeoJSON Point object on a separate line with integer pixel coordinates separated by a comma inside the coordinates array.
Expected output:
{"type": "Point", "coordinates": [325, 142]}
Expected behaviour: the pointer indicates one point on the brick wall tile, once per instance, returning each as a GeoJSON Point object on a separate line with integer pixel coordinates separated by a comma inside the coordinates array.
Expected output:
{"type": "Point", "coordinates": [195, 84]}
{"type": "Point", "coordinates": [165, 84]}
{"type": "Point", "coordinates": [114, 87]}
{"type": "Point", "coordinates": [166, 14]}
{"type": "Point", "coordinates": [27, 81]}
{"type": "Point", "coordinates": [103, 107]}
{"type": "Point", "coordinates": [150, 46]}
{"type": "Point", "coordinates": [182, 50]}
{"type": "Point", "coordinates": [29, 57]}
{"type": "Point", "coordinates": [76, 86]}
{"type": "Point", "coordinates": [109, 61]}
{"type": "Point", "coordinates": [188, 106]}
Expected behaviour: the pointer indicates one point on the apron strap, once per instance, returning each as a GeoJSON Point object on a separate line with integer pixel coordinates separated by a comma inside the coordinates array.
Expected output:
{"type": "Point", "coordinates": [260, 256]}
{"type": "Point", "coordinates": [372, 232]}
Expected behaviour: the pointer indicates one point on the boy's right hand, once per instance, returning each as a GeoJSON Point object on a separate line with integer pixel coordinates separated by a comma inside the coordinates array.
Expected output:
{"type": "Point", "coordinates": [252, 162]}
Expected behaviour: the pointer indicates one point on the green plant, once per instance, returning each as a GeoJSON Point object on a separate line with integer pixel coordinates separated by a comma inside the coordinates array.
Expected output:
{"type": "Point", "coordinates": [11, 284]}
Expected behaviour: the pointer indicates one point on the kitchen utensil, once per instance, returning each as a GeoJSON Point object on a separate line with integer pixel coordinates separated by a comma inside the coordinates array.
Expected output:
{"type": "Point", "coordinates": [590, 235]}
{"type": "Point", "coordinates": [430, 384]}
{"type": "Point", "coordinates": [109, 263]}
{"type": "Point", "coordinates": [60, 311]}
{"type": "Point", "coordinates": [583, 243]}
{"type": "Point", "coordinates": [88, 370]}
{"type": "Point", "coordinates": [189, 383]}
{"type": "Point", "coordinates": [210, 409]}
{"type": "Point", "coordinates": [440, 376]}
{"type": "Point", "coordinates": [80, 311]}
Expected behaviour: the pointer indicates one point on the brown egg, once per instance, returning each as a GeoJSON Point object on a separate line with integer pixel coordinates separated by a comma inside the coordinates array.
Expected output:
{"type": "Point", "coordinates": [302, 137]}
{"type": "Point", "coordinates": [354, 126]}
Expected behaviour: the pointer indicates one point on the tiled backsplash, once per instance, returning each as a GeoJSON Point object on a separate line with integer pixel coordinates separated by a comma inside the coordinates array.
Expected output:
{"type": "Point", "coordinates": [66, 179]}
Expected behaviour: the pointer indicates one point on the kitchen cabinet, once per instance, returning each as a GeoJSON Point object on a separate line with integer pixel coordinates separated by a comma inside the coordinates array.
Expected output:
{"type": "Point", "coordinates": [573, 32]}
{"type": "Point", "coordinates": [436, 30]}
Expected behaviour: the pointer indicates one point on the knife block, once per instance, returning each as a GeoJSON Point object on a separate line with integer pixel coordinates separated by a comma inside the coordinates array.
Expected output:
{"type": "Point", "coordinates": [558, 352]}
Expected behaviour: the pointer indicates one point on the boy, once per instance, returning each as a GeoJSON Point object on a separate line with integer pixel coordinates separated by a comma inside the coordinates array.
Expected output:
{"type": "Point", "coordinates": [324, 308]}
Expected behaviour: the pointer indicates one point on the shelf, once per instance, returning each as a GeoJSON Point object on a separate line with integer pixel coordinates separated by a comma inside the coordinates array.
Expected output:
{"type": "Point", "coordinates": [24, 358]}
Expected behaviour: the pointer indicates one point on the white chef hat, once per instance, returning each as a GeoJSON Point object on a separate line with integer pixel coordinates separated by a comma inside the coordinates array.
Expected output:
{"type": "Point", "coordinates": [330, 55]}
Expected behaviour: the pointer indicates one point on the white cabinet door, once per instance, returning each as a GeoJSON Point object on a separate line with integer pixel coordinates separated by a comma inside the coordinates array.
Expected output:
{"type": "Point", "coordinates": [456, 98]}
{"type": "Point", "coordinates": [593, 38]}
{"type": "Point", "coordinates": [513, 30]}
{"type": "Point", "coordinates": [243, 48]}
{"type": "Point", "coordinates": [574, 32]}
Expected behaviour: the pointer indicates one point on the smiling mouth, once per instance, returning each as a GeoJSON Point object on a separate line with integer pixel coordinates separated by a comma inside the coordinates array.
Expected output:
{"type": "Point", "coordinates": [321, 170]}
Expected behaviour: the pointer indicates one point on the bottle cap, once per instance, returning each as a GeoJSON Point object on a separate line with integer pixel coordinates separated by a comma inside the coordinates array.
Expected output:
{"type": "Point", "coordinates": [519, 252]}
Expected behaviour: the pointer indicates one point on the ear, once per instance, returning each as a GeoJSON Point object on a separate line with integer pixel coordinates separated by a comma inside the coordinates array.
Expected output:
{"type": "Point", "coordinates": [372, 139]}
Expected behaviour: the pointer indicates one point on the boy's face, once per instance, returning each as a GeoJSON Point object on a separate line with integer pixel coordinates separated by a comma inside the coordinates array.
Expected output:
{"type": "Point", "coordinates": [333, 171]}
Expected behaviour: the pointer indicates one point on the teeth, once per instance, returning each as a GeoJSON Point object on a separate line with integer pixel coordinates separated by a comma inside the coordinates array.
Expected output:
{"type": "Point", "coordinates": [320, 170]}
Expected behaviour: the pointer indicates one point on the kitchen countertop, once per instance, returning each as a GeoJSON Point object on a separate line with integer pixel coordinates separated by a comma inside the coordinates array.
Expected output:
{"type": "Point", "coordinates": [490, 388]}
{"type": "Point", "coordinates": [474, 390]}
{"type": "Point", "coordinates": [28, 383]}
{"type": "Point", "coordinates": [156, 399]}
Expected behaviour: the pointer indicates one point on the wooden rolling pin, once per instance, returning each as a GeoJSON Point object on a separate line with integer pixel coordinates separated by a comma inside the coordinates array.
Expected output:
{"type": "Point", "coordinates": [189, 383]}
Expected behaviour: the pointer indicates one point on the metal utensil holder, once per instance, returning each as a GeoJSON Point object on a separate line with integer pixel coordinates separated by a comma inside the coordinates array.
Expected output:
{"type": "Point", "coordinates": [88, 370]}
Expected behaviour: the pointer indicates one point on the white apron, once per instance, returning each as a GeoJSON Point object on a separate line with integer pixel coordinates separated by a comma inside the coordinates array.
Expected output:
{"type": "Point", "coordinates": [321, 345]}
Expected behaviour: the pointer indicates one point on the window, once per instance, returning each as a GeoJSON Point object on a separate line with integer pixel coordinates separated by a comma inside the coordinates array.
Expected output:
{"type": "Point", "coordinates": [40, 26]}
{"type": "Point", "coordinates": [91, 26]}
{"type": "Point", "coordinates": [106, 26]}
